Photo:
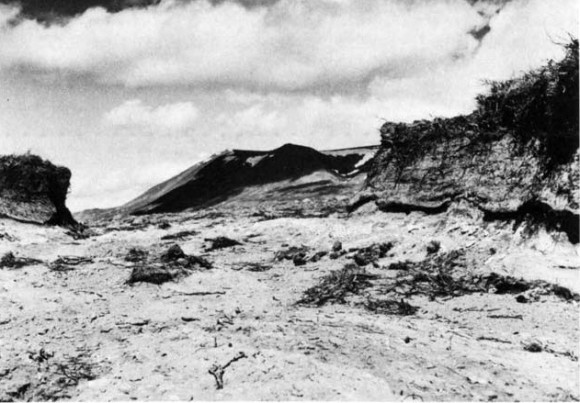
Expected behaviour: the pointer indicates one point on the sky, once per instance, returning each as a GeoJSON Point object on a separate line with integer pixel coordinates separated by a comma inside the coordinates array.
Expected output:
{"type": "Point", "coordinates": [127, 93]}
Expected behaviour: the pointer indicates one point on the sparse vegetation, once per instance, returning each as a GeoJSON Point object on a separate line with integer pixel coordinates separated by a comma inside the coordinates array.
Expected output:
{"type": "Point", "coordinates": [334, 287]}
{"type": "Point", "coordinates": [446, 275]}
{"type": "Point", "coordinates": [540, 108]}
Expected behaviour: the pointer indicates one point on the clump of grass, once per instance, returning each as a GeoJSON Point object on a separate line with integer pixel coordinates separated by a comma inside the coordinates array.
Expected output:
{"type": "Point", "coordinates": [334, 287]}
{"type": "Point", "coordinates": [446, 275]}
{"type": "Point", "coordinates": [539, 107]}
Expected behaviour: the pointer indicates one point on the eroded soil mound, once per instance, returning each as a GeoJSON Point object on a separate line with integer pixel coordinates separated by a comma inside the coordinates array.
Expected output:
{"type": "Point", "coordinates": [171, 265]}
{"type": "Point", "coordinates": [515, 157]}
{"type": "Point", "coordinates": [34, 190]}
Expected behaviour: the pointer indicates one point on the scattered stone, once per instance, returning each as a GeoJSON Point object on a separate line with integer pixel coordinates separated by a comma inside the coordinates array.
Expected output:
{"type": "Point", "coordinates": [522, 299]}
{"type": "Point", "coordinates": [317, 256]}
{"type": "Point", "coordinates": [533, 347]}
{"type": "Point", "coordinates": [337, 246]}
{"type": "Point", "coordinates": [291, 252]}
{"type": "Point", "coordinates": [336, 255]}
{"type": "Point", "coordinates": [299, 259]}
{"type": "Point", "coordinates": [372, 253]}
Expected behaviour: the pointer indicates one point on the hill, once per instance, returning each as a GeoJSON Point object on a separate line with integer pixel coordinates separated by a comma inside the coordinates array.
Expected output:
{"type": "Point", "coordinates": [288, 172]}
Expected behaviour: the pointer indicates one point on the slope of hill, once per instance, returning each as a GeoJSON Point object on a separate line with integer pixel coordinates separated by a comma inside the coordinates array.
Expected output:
{"type": "Point", "coordinates": [290, 171]}
{"type": "Point", "coordinates": [34, 190]}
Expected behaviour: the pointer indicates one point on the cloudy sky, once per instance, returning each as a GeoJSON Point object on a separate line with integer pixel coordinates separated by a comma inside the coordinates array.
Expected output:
{"type": "Point", "coordinates": [127, 93]}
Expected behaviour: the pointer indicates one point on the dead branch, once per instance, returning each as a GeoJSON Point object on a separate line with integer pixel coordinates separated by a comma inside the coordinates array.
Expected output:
{"type": "Point", "coordinates": [200, 293]}
{"type": "Point", "coordinates": [218, 370]}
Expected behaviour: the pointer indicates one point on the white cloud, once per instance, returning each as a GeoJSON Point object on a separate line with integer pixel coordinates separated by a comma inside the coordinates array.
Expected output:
{"type": "Point", "coordinates": [289, 45]}
{"type": "Point", "coordinates": [523, 36]}
{"type": "Point", "coordinates": [170, 117]}
{"type": "Point", "coordinates": [254, 77]}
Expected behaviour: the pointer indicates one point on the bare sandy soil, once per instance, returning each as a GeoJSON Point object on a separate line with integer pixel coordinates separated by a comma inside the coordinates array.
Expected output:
{"type": "Point", "coordinates": [85, 334]}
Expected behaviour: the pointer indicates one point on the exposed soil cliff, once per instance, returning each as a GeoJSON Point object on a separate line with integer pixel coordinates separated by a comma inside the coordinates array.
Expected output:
{"type": "Point", "coordinates": [515, 157]}
{"type": "Point", "coordinates": [34, 190]}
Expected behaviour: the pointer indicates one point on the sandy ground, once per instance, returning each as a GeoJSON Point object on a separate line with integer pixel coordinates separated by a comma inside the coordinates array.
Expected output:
{"type": "Point", "coordinates": [86, 335]}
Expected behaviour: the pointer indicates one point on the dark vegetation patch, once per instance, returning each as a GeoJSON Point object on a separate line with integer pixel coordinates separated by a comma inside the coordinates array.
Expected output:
{"type": "Point", "coordinates": [221, 242]}
{"type": "Point", "coordinates": [335, 286]}
{"type": "Point", "coordinates": [171, 265]}
{"type": "Point", "coordinates": [11, 261]}
{"type": "Point", "coordinates": [352, 280]}
{"type": "Point", "coordinates": [51, 377]}
{"type": "Point", "coordinates": [446, 275]}
{"type": "Point", "coordinates": [540, 108]}
{"type": "Point", "coordinates": [438, 276]}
